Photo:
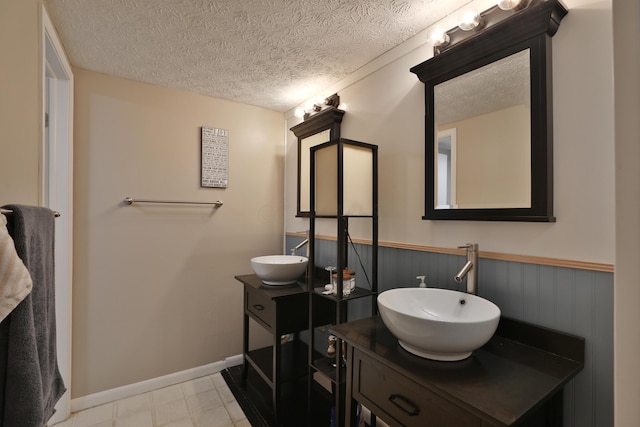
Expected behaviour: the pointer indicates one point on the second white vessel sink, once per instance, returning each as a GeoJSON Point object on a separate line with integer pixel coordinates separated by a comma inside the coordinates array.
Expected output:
{"type": "Point", "coordinates": [279, 270]}
{"type": "Point", "coordinates": [438, 324]}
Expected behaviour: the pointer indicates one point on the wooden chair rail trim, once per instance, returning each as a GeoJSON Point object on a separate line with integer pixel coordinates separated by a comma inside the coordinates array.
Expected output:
{"type": "Point", "coordinates": [527, 259]}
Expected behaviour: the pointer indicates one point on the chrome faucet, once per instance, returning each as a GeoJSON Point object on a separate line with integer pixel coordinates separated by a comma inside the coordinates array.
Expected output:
{"type": "Point", "coordinates": [307, 273]}
{"type": "Point", "coordinates": [470, 269]}
{"type": "Point", "coordinates": [301, 244]}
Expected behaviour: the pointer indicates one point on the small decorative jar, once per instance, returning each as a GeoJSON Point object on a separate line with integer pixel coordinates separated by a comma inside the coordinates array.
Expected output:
{"type": "Point", "coordinates": [348, 282]}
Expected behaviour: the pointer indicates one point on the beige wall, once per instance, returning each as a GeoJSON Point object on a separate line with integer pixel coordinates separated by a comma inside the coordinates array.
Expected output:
{"type": "Point", "coordinates": [626, 19]}
{"type": "Point", "coordinates": [20, 102]}
{"type": "Point", "coordinates": [493, 159]}
{"type": "Point", "coordinates": [385, 106]}
{"type": "Point", "coordinates": [154, 289]}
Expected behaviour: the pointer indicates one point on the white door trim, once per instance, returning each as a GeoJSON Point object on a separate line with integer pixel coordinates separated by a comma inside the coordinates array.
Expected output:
{"type": "Point", "coordinates": [56, 166]}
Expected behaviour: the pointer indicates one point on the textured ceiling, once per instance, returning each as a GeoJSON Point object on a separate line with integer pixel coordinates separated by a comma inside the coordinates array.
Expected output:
{"type": "Point", "coordinates": [499, 85]}
{"type": "Point", "coordinates": [269, 53]}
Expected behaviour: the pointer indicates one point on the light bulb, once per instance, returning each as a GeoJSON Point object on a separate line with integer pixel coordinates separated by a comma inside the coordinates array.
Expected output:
{"type": "Point", "coordinates": [508, 4]}
{"type": "Point", "coordinates": [469, 19]}
{"type": "Point", "coordinates": [439, 37]}
{"type": "Point", "coordinates": [299, 113]}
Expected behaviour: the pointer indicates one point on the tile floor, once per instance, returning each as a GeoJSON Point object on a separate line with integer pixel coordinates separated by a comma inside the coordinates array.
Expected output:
{"type": "Point", "coordinates": [203, 402]}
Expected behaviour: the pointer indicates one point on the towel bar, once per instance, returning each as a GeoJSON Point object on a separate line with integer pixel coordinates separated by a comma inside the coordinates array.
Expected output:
{"type": "Point", "coordinates": [9, 211]}
{"type": "Point", "coordinates": [130, 201]}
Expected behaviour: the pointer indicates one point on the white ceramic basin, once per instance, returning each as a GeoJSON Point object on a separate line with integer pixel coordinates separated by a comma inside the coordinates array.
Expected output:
{"type": "Point", "coordinates": [438, 324]}
{"type": "Point", "coordinates": [279, 270]}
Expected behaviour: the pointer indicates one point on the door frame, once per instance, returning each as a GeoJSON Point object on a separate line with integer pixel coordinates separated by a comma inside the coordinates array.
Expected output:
{"type": "Point", "coordinates": [56, 169]}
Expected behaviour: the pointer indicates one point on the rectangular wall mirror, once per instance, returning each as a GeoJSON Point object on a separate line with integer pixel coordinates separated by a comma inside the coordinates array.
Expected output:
{"type": "Point", "coordinates": [317, 129]}
{"type": "Point", "coordinates": [489, 118]}
{"type": "Point", "coordinates": [483, 133]}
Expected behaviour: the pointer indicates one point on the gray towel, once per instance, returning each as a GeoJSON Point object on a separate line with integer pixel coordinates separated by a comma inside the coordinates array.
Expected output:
{"type": "Point", "coordinates": [33, 384]}
{"type": "Point", "coordinates": [15, 280]}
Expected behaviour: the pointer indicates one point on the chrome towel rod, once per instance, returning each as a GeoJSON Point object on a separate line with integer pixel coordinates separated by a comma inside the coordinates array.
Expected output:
{"type": "Point", "coordinates": [9, 211]}
{"type": "Point", "coordinates": [130, 201]}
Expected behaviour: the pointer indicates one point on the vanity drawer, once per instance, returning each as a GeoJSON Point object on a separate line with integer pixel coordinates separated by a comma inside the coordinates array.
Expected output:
{"type": "Point", "coordinates": [260, 307]}
{"type": "Point", "coordinates": [400, 401]}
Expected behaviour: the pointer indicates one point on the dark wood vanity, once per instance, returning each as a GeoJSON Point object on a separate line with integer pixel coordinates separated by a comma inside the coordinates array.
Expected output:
{"type": "Point", "coordinates": [279, 310]}
{"type": "Point", "coordinates": [516, 379]}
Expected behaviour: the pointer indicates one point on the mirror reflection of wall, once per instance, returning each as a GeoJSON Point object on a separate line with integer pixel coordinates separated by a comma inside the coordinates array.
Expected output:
{"type": "Point", "coordinates": [305, 161]}
{"type": "Point", "coordinates": [490, 110]}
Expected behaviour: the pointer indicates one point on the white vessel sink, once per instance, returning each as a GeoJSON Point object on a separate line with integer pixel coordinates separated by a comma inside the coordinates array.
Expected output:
{"type": "Point", "coordinates": [279, 270]}
{"type": "Point", "coordinates": [438, 324]}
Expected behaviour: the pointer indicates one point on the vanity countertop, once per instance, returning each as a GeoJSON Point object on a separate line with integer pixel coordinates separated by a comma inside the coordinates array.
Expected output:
{"type": "Point", "coordinates": [518, 370]}
{"type": "Point", "coordinates": [253, 281]}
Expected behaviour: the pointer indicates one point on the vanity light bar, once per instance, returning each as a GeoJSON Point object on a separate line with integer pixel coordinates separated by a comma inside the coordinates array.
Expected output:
{"type": "Point", "coordinates": [470, 22]}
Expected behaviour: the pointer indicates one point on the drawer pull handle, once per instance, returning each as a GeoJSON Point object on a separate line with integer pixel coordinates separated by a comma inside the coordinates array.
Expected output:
{"type": "Point", "coordinates": [258, 307]}
{"type": "Point", "coordinates": [405, 404]}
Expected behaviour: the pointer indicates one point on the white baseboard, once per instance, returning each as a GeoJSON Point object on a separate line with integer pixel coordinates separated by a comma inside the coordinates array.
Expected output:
{"type": "Point", "coordinates": [233, 361]}
{"type": "Point", "coordinates": [108, 396]}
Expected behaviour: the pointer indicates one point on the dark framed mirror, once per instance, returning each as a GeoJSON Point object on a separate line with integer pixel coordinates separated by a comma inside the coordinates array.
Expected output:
{"type": "Point", "coordinates": [317, 129]}
{"type": "Point", "coordinates": [489, 118]}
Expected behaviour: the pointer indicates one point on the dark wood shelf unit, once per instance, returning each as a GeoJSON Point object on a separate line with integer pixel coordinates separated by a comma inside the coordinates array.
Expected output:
{"type": "Point", "coordinates": [342, 213]}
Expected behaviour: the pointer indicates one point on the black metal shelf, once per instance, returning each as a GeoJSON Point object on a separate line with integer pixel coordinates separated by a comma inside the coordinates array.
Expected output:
{"type": "Point", "coordinates": [355, 294]}
{"type": "Point", "coordinates": [294, 358]}
{"type": "Point", "coordinates": [326, 366]}
{"type": "Point", "coordinates": [335, 308]}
